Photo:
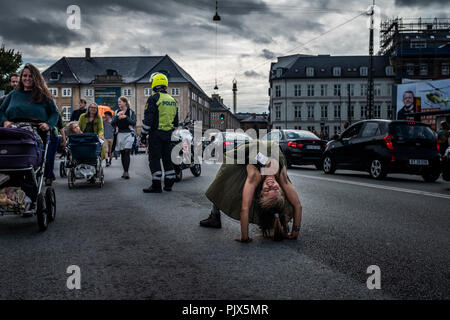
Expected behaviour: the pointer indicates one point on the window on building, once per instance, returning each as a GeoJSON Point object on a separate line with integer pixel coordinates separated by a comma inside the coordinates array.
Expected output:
{"type": "Point", "coordinates": [277, 112]}
{"type": "Point", "coordinates": [445, 69]}
{"type": "Point", "coordinates": [337, 90]}
{"type": "Point", "coordinates": [310, 111]}
{"type": "Point", "coordinates": [175, 92]}
{"type": "Point", "coordinates": [351, 88]}
{"type": "Point", "coordinates": [337, 111]}
{"type": "Point", "coordinates": [89, 92]}
{"type": "Point", "coordinates": [390, 112]}
{"type": "Point", "coordinates": [147, 92]}
{"type": "Point", "coordinates": [352, 111]}
{"type": "Point", "coordinates": [337, 71]}
{"type": "Point", "coordinates": [364, 71]}
{"type": "Point", "coordinates": [423, 69]}
{"type": "Point", "coordinates": [298, 127]}
{"type": "Point", "coordinates": [377, 111]}
{"type": "Point", "coordinates": [324, 111]}
{"type": "Point", "coordinates": [337, 129]}
{"type": "Point", "coordinates": [127, 92]}
{"type": "Point", "coordinates": [54, 91]}
{"type": "Point", "coordinates": [277, 91]}
{"type": "Point", "coordinates": [297, 90]}
{"type": "Point", "coordinates": [66, 112]}
{"type": "Point", "coordinates": [363, 112]}
{"type": "Point", "coordinates": [363, 89]}
{"type": "Point", "coordinates": [310, 72]}
{"type": "Point", "coordinates": [323, 90]}
{"type": "Point", "coordinates": [418, 44]}
{"type": "Point", "coordinates": [310, 90]}
{"type": "Point", "coordinates": [377, 89]}
{"type": "Point", "coordinates": [389, 89]}
{"type": "Point", "coordinates": [389, 71]}
{"type": "Point", "coordinates": [410, 69]}
{"type": "Point", "coordinates": [297, 112]}
{"type": "Point", "coordinates": [67, 92]}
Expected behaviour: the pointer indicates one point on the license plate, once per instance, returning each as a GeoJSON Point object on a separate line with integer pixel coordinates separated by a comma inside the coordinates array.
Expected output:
{"type": "Point", "coordinates": [313, 147]}
{"type": "Point", "coordinates": [418, 162]}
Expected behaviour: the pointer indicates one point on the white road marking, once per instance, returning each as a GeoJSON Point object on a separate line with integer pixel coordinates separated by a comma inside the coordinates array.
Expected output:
{"type": "Point", "coordinates": [376, 186]}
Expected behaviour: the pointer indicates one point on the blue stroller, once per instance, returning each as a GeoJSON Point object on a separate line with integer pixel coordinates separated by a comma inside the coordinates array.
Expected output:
{"type": "Point", "coordinates": [22, 167]}
{"type": "Point", "coordinates": [84, 159]}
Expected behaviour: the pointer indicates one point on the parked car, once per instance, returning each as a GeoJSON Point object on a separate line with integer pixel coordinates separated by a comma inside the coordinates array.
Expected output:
{"type": "Point", "coordinates": [227, 141]}
{"type": "Point", "coordinates": [446, 165]}
{"type": "Point", "coordinates": [385, 146]}
{"type": "Point", "coordinates": [300, 147]}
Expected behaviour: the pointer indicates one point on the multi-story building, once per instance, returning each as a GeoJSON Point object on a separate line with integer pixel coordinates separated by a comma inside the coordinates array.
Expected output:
{"type": "Point", "coordinates": [321, 92]}
{"type": "Point", "coordinates": [104, 79]}
{"type": "Point", "coordinates": [221, 116]}
{"type": "Point", "coordinates": [417, 48]}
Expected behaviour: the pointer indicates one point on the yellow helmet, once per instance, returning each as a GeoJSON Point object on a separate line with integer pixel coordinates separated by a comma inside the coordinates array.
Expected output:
{"type": "Point", "coordinates": [158, 79]}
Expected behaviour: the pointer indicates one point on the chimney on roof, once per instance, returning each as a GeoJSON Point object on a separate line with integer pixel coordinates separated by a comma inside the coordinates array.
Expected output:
{"type": "Point", "coordinates": [88, 53]}
{"type": "Point", "coordinates": [234, 96]}
{"type": "Point", "coordinates": [215, 96]}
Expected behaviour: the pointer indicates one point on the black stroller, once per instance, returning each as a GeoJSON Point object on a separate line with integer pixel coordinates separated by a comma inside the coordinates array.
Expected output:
{"type": "Point", "coordinates": [22, 166]}
{"type": "Point", "coordinates": [84, 159]}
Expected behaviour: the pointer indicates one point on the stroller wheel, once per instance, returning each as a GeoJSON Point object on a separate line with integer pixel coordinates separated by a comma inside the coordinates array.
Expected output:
{"type": "Point", "coordinates": [101, 178]}
{"type": "Point", "coordinates": [71, 179]}
{"type": "Point", "coordinates": [50, 201]}
{"type": "Point", "coordinates": [178, 174]}
{"type": "Point", "coordinates": [62, 169]}
{"type": "Point", "coordinates": [41, 213]}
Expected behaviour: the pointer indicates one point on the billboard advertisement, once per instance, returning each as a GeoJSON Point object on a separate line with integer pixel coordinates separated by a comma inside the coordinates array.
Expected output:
{"type": "Point", "coordinates": [423, 96]}
{"type": "Point", "coordinates": [107, 96]}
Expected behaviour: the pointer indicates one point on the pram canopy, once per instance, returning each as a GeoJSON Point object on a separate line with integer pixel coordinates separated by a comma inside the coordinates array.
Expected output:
{"type": "Point", "coordinates": [84, 146]}
{"type": "Point", "coordinates": [20, 148]}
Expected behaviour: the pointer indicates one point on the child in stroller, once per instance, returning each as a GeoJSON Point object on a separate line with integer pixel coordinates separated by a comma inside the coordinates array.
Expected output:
{"type": "Point", "coordinates": [84, 159]}
{"type": "Point", "coordinates": [22, 167]}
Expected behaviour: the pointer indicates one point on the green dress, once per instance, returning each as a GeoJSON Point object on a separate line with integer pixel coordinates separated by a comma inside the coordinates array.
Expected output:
{"type": "Point", "coordinates": [226, 189]}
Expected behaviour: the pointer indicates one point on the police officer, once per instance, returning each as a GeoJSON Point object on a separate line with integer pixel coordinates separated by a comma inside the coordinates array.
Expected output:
{"type": "Point", "coordinates": [160, 118]}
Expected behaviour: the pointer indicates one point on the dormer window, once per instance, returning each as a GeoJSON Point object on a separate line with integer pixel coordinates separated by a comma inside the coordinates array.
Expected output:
{"type": "Point", "coordinates": [337, 71]}
{"type": "Point", "coordinates": [363, 71]}
{"type": "Point", "coordinates": [310, 72]}
{"type": "Point", "coordinates": [111, 72]}
{"type": "Point", "coordinates": [279, 72]}
{"type": "Point", "coordinates": [55, 75]}
{"type": "Point", "coordinates": [389, 71]}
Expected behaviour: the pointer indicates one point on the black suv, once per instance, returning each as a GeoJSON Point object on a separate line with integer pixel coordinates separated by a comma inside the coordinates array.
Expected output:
{"type": "Point", "coordinates": [385, 146]}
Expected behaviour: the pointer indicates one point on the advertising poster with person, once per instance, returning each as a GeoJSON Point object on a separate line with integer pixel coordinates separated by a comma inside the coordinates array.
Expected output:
{"type": "Point", "coordinates": [423, 96]}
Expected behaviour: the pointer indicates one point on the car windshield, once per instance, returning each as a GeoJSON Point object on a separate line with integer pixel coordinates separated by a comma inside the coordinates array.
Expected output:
{"type": "Point", "coordinates": [300, 135]}
{"type": "Point", "coordinates": [406, 132]}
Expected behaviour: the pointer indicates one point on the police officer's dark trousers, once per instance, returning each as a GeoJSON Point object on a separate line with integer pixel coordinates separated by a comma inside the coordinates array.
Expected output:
{"type": "Point", "coordinates": [160, 148]}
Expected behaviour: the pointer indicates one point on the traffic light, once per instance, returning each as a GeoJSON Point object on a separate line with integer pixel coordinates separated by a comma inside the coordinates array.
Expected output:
{"type": "Point", "coordinates": [222, 116]}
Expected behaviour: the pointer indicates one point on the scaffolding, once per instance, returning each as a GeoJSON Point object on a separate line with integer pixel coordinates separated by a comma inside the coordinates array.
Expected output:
{"type": "Point", "coordinates": [391, 31]}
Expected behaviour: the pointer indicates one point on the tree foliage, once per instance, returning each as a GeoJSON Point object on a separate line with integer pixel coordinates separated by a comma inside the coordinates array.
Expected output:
{"type": "Point", "coordinates": [10, 61]}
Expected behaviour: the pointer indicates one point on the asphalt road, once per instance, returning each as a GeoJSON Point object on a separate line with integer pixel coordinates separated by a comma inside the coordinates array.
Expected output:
{"type": "Point", "coordinates": [131, 245]}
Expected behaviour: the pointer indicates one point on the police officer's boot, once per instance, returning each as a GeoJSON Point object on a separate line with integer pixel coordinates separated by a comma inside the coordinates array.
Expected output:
{"type": "Point", "coordinates": [213, 221]}
{"type": "Point", "coordinates": [154, 188]}
{"type": "Point", "coordinates": [168, 184]}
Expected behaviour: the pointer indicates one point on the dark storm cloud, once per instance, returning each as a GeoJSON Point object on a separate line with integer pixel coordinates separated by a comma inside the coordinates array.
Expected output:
{"type": "Point", "coordinates": [266, 53]}
{"type": "Point", "coordinates": [420, 3]}
{"type": "Point", "coordinates": [253, 74]}
{"type": "Point", "coordinates": [36, 32]}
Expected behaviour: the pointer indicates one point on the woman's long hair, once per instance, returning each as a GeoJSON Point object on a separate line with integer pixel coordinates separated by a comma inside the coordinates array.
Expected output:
{"type": "Point", "coordinates": [40, 92]}
{"type": "Point", "coordinates": [267, 208]}
{"type": "Point", "coordinates": [88, 114]}
{"type": "Point", "coordinates": [125, 99]}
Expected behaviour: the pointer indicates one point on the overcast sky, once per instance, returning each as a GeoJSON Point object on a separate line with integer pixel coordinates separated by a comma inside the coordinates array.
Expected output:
{"type": "Point", "coordinates": [251, 34]}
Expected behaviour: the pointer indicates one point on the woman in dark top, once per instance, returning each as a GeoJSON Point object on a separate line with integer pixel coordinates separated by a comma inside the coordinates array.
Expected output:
{"type": "Point", "coordinates": [125, 120]}
{"type": "Point", "coordinates": [32, 101]}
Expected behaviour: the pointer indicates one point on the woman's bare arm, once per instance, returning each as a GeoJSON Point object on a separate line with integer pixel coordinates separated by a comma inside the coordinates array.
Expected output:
{"type": "Point", "coordinates": [294, 200]}
{"type": "Point", "coordinates": [251, 183]}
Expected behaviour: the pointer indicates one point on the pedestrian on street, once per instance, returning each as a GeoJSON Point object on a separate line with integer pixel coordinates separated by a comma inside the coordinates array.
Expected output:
{"type": "Point", "coordinates": [91, 122]}
{"type": "Point", "coordinates": [55, 140]}
{"type": "Point", "coordinates": [109, 137]}
{"type": "Point", "coordinates": [75, 116]}
{"type": "Point", "coordinates": [443, 137]}
{"type": "Point", "coordinates": [249, 194]}
{"type": "Point", "coordinates": [125, 121]}
{"type": "Point", "coordinates": [160, 119]}
{"type": "Point", "coordinates": [13, 83]}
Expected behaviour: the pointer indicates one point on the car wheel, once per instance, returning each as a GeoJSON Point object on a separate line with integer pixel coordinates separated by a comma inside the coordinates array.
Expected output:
{"type": "Point", "coordinates": [377, 169]}
{"type": "Point", "coordinates": [329, 167]}
{"type": "Point", "coordinates": [50, 201]}
{"type": "Point", "coordinates": [431, 176]}
{"type": "Point", "coordinates": [41, 213]}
